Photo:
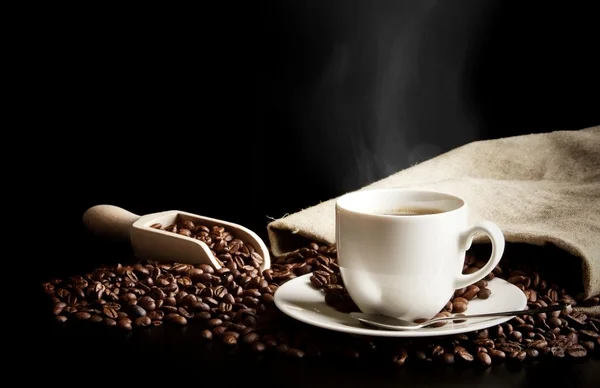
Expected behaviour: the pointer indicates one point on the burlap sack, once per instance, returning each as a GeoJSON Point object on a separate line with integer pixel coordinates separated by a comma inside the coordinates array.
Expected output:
{"type": "Point", "coordinates": [539, 189]}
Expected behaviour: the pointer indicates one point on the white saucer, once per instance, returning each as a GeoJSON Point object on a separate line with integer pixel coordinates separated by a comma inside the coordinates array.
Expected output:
{"type": "Point", "coordinates": [300, 300]}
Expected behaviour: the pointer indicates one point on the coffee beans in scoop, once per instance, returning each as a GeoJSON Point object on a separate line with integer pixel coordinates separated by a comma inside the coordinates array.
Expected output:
{"type": "Point", "coordinates": [223, 245]}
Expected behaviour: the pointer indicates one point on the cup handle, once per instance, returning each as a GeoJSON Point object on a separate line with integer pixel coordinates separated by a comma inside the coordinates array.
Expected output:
{"type": "Point", "coordinates": [497, 237]}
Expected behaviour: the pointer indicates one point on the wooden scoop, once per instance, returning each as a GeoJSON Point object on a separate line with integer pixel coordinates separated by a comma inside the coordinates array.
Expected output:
{"type": "Point", "coordinates": [118, 224]}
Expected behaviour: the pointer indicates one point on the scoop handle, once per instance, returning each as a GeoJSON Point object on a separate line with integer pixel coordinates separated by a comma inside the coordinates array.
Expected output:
{"type": "Point", "coordinates": [109, 222]}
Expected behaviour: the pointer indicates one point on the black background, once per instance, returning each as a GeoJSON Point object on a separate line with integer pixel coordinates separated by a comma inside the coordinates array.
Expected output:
{"type": "Point", "coordinates": [249, 110]}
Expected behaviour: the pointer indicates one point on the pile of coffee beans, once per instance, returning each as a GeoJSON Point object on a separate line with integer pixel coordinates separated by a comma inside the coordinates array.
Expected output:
{"type": "Point", "coordinates": [234, 305]}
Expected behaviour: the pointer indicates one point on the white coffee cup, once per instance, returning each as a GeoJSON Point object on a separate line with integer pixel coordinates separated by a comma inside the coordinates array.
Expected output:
{"type": "Point", "coordinates": [407, 266]}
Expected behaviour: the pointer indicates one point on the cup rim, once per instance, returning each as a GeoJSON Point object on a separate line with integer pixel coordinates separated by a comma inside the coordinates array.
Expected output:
{"type": "Point", "coordinates": [339, 206]}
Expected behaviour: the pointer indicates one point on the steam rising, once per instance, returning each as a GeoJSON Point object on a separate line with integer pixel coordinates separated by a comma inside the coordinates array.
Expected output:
{"type": "Point", "coordinates": [391, 92]}
{"type": "Point", "coordinates": [380, 147]}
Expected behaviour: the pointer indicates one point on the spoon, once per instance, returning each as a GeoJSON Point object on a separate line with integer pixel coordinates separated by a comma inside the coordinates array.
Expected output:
{"type": "Point", "coordinates": [117, 224]}
{"type": "Point", "coordinates": [390, 323]}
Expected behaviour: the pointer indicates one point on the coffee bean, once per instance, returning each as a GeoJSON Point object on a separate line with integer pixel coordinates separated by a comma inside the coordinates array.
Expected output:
{"type": "Point", "coordinates": [460, 292]}
{"type": "Point", "coordinates": [517, 279]}
{"type": "Point", "coordinates": [229, 340]}
{"type": "Point", "coordinates": [61, 318]}
{"type": "Point", "coordinates": [203, 316]}
{"type": "Point", "coordinates": [169, 309]}
{"type": "Point", "coordinates": [232, 333]}
{"type": "Point", "coordinates": [461, 352]}
{"type": "Point", "coordinates": [225, 307]}
{"type": "Point", "coordinates": [143, 321]}
{"type": "Point", "coordinates": [82, 316]}
{"type": "Point", "coordinates": [497, 354]}
{"type": "Point", "coordinates": [516, 336]}
{"type": "Point", "coordinates": [206, 268]}
{"type": "Point", "coordinates": [214, 322]}
{"type": "Point", "coordinates": [128, 296]}
{"type": "Point", "coordinates": [553, 322]}
{"type": "Point", "coordinates": [156, 315]}
{"type": "Point", "coordinates": [524, 328]}
{"type": "Point", "coordinates": [510, 347]}
{"type": "Point", "coordinates": [471, 292]}
{"type": "Point", "coordinates": [124, 323]}
{"type": "Point", "coordinates": [200, 306]}
{"type": "Point", "coordinates": [251, 338]}
{"type": "Point", "coordinates": [484, 293]}
{"type": "Point", "coordinates": [110, 322]}
{"type": "Point", "coordinates": [258, 347]}
{"type": "Point", "coordinates": [249, 321]}
{"type": "Point", "coordinates": [219, 330]}
{"type": "Point", "coordinates": [253, 292]}
{"type": "Point", "coordinates": [138, 311]}
{"type": "Point", "coordinates": [573, 338]}
{"type": "Point", "coordinates": [296, 353]}
{"type": "Point", "coordinates": [482, 283]}
{"type": "Point", "coordinates": [206, 334]}
{"type": "Point", "coordinates": [185, 313]}
{"type": "Point", "coordinates": [588, 345]}
{"type": "Point", "coordinates": [459, 306]}
{"type": "Point", "coordinates": [556, 351]}
{"type": "Point", "coordinates": [576, 351]}
{"type": "Point", "coordinates": [485, 342]}
{"type": "Point", "coordinates": [185, 232]}
{"type": "Point", "coordinates": [181, 294]}
{"type": "Point", "coordinates": [110, 312]}
{"type": "Point", "coordinates": [95, 319]}
{"type": "Point", "coordinates": [147, 303]}
{"type": "Point", "coordinates": [58, 308]}
{"type": "Point", "coordinates": [517, 356]}
{"type": "Point", "coordinates": [269, 340]}
{"type": "Point", "coordinates": [437, 351]}
{"type": "Point", "coordinates": [237, 327]}
{"type": "Point", "coordinates": [317, 281]}
{"type": "Point", "coordinates": [448, 358]}
{"type": "Point", "coordinates": [268, 299]}
{"type": "Point", "coordinates": [539, 344]}
{"type": "Point", "coordinates": [70, 310]}
{"type": "Point", "coordinates": [532, 353]}
{"type": "Point", "coordinates": [176, 319]}
{"type": "Point", "coordinates": [179, 268]}
{"type": "Point", "coordinates": [484, 359]}
{"type": "Point", "coordinates": [228, 298]}
{"type": "Point", "coordinates": [204, 277]}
